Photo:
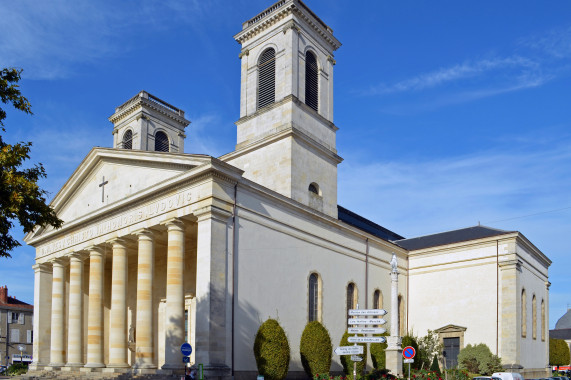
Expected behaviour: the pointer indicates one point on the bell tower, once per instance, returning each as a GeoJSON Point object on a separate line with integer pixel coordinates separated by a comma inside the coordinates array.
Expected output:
{"type": "Point", "coordinates": [286, 134]}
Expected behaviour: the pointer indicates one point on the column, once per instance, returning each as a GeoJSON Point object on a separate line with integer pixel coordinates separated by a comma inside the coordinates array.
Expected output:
{"type": "Point", "coordinates": [58, 291]}
{"type": "Point", "coordinates": [393, 352]}
{"type": "Point", "coordinates": [174, 312]}
{"type": "Point", "coordinates": [42, 317]}
{"type": "Point", "coordinates": [213, 317]}
{"type": "Point", "coordinates": [75, 310]}
{"type": "Point", "coordinates": [118, 320]}
{"type": "Point", "coordinates": [145, 349]}
{"type": "Point", "coordinates": [95, 309]}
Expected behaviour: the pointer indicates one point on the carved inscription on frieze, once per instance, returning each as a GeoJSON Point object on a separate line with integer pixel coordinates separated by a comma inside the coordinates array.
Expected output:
{"type": "Point", "coordinates": [120, 221]}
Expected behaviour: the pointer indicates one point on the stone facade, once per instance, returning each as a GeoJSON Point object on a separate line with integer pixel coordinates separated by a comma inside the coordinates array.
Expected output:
{"type": "Point", "coordinates": [16, 329]}
{"type": "Point", "coordinates": [162, 247]}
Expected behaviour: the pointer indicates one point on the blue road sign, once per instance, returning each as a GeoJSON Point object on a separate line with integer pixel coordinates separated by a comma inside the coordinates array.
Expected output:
{"type": "Point", "coordinates": [186, 349]}
{"type": "Point", "coordinates": [186, 359]}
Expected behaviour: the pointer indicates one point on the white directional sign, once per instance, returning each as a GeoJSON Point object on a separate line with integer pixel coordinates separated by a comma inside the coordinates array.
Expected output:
{"type": "Point", "coordinates": [366, 321]}
{"type": "Point", "coordinates": [366, 339]}
{"type": "Point", "coordinates": [366, 330]}
{"type": "Point", "coordinates": [356, 358]}
{"type": "Point", "coordinates": [349, 350]}
{"type": "Point", "coordinates": [367, 312]}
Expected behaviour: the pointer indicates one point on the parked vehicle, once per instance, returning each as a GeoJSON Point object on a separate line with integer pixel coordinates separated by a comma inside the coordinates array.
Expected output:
{"type": "Point", "coordinates": [508, 375]}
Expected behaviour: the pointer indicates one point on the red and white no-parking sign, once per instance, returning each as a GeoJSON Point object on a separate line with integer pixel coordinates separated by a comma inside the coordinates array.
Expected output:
{"type": "Point", "coordinates": [408, 352]}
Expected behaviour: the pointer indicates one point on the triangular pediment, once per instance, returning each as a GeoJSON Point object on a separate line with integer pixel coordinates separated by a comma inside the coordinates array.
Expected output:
{"type": "Point", "coordinates": [450, 329]}
{"type": "Point", "coordinates": [107, 176]}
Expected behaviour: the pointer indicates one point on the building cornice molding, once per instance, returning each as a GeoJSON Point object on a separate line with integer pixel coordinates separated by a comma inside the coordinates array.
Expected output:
{"type": "Point", "coordinates": [281, 10]}
{"type": "Point", "coordinates": [143, 100]}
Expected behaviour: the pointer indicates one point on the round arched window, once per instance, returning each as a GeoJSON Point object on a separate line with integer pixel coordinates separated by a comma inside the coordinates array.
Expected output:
{"type": "Point", "coordinates": [161, 142]}
{"type": "Point", "coordinates": [267, 78]}
{"type": "Point", "coordinates": [128, 140]}
{"type": "Point", "coordinates": [311, 82]}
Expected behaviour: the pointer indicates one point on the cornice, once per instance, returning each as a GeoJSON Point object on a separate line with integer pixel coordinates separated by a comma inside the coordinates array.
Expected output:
{"type": "Point", "coordinates": [280, 11]}
{"type": "Point", "coordinates": [137, 103]}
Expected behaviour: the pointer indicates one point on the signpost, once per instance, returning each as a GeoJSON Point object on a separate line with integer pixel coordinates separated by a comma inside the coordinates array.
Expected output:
{"type": "Point", "coordinates": [408, 353]}
{"type": "Point", "coordinates": [366, 339]}
{"type": "Point", "coordinates": [356, 350]}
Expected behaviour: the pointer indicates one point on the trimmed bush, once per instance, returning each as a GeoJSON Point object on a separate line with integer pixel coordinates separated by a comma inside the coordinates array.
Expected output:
{"type": "Point", "coordinates": [378, 356]}
{"type": "Point", "coordinates": [479, 359]}
{"type": "Point", "coordinates": [271, 350]}
{"type": "Point", "coordinates": [558, 352]}
{"type": "Point", "coordinates": [346, 359]}
{"type": "Point", "coordinates": [315, 349]}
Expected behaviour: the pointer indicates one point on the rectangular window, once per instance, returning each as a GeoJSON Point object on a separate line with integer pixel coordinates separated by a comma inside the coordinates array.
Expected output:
{"type": "Point", "coordinates": [15, 336]}
{"type": "Point", "coordinates": [21, 318]}
{"type": "Point", "coordinates": [29, 336]}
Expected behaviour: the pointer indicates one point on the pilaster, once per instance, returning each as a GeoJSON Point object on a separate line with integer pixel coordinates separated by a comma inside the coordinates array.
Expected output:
{"type": "Point", "coordinates": [213, 298]}
{"type": "Point", "coordinates": [510, 312]}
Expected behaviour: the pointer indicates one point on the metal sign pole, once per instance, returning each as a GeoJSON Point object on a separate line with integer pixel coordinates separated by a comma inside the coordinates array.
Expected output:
{"type": "Point", "coordinates": [408, 371]}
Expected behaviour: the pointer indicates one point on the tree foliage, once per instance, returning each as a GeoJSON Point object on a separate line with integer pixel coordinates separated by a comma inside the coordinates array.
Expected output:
{"type": "Point", "coordinates": [378, 354]}
{"type": "Point", "coordinates": [271, 350]}
{"type": "Point", "coordinates": [558, 352]}
{"type": "Point", "coordinates": [410, 340]}
{"type": "Point", "coordinates": [479, 359]}
{"type": "Point", "coordinates": [429, 347]}
{"type": "Point", "coordinates": [21, 199]}
{"type": "Point", "coordinates": [315, 349]}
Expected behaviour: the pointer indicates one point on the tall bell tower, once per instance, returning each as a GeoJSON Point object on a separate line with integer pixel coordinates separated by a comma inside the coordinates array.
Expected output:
{"type": "Point", "coordinates": [285, 134]}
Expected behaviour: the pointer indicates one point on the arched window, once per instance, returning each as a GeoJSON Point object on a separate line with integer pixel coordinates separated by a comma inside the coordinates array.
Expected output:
{"type": "Point", "coordinates": [351, 297]}
{"type": "Point", "coordinates": [161, 142]}
{"type": "Point", "coordinates": [267, 78]}
{"type": "Point", "coordinates": [523, 314]}
{"type": "Point", "coordinates": [313, 306]}
{"type": "Point", "coordinates": [401, 328]}
{"type": "Point", "coordinates": [314, 188]}
{"type": "Point", "coordinates": [543, 320]}
{"type": "Point", "coordinates": [311, 81]}
{"type": "Point", "coordinates": [128, 140]}
{"type": "Point", "coordinates": [377, 299]}
{"type": "Point", "coordinates": [533, 317]}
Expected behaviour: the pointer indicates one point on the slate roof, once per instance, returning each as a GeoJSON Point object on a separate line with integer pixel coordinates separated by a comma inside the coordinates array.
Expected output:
{"type": "Point", "coordinates": [450, 237]}
{"type": "Point", "coordinates": [15, 303]}
{"type": "Point", "coordinates": [560, 334]}
{"type": "Point", "coordinates": [366, 225]}
{"type": "Point", "coordinates": [564, 322]}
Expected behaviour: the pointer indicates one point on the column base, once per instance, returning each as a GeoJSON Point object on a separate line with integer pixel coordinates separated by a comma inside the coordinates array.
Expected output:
{"type": "Point", "coordinates": [145, 366]}
{"type": "Point", "coordinates": [394, 361]}
{"type": "Point", "coordinates": [36, 366]}
{"type": "Point", "coordinates": [55, 366]}
{"type": "Point", "coordinates": [74, 365]}
{"type": "Point", "coordinates": [94, 365]}
{"type": "Point", "coordinates": [115, 369]}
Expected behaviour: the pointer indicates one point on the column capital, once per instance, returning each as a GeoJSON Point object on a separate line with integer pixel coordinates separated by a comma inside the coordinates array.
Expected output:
{"type": "Point", "coordinates": [41, 268]}
{"type": "Point", "coordinates": [81, 255]}
{"type": "Point", "coordinates": [121, 242]}
{"type": "Point", "coordinates": [144, 233]}
{"type": "Point", "coordinates": [212, 212]}
{"type": "Point", "coordinates": [58, 261]}
{"type": "Point", "coordinates": [510, 264]}
{"type": "Point", "coordinates": [174, 224]}
{"type": "Point", "coordinates": [95, 249]}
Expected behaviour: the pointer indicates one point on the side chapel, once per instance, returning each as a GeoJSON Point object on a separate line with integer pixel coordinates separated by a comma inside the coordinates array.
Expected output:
{"type": "Point", "coordinates": [160, 247]}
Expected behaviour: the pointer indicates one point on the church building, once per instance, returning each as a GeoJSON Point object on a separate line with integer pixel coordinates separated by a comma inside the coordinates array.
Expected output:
{"type": "Point", "coordinates": [160, 247]}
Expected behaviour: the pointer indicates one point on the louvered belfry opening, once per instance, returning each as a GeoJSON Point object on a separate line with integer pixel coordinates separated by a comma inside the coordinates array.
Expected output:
{"type": "Point", "coordinates": [128, 140]}
{"type": "Point", "coordinates": [161, 142]}
{"type": "Point", "coordinates": [311, 98]}
{"type": "Point", "coordinates": [267, 78]}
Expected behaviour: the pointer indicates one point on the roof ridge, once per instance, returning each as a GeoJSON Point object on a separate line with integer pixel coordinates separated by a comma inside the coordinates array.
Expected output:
{"type": "Point", "coordinates": [458, 229]}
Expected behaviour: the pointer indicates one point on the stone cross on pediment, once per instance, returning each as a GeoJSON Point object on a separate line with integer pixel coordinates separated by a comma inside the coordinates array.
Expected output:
{"type": "Point", "coordinates": [102, 186]}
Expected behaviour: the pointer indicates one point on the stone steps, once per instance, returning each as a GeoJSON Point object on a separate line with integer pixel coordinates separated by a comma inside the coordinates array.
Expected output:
{"type": "Point", "coordinates": [71, 375]}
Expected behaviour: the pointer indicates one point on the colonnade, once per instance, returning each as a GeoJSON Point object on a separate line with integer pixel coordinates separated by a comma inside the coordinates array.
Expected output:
{"type": "Point", "coordinates": [93, 350]}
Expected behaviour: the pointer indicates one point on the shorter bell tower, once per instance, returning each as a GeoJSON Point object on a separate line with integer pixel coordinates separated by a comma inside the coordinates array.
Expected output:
{"type": "Point", "coordinates": [286, 134]}
{"type": "Point", "coordinates": [146, 122]}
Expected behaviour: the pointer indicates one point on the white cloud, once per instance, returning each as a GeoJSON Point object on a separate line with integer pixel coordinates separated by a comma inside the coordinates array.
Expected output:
{"type": "Point", "coordinates": [556, 42]}
{"type": "Point", "coordinates": [48, 39]}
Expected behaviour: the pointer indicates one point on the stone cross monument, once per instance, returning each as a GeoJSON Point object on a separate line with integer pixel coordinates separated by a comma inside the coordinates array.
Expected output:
{"type": "Point", "coordinates": [394, 350]}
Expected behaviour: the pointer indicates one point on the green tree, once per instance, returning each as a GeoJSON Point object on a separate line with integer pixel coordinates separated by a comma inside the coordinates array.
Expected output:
{"type": "Point", "coordinates": [21, 199]}
{"type": "Point", "coordinates": [271, 350]}
{"type": "Point", "coordinates": [409, 340]}
{"type": "Point", "coordinates": [378, 355]}
{"type": "Point", "coordinates": [558, 352]}
{"type": "Point", "coordinates": [479, 359]}
{"type": "Point", "coordinates": [315, 349]}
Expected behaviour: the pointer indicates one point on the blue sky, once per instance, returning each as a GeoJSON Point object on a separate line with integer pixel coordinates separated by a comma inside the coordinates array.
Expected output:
{"type": "Point", "coordinates": [450, 113]}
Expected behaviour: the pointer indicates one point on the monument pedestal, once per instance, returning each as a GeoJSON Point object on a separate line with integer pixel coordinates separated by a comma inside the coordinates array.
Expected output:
{"type": "Point", "coordinates": [393, 355]}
